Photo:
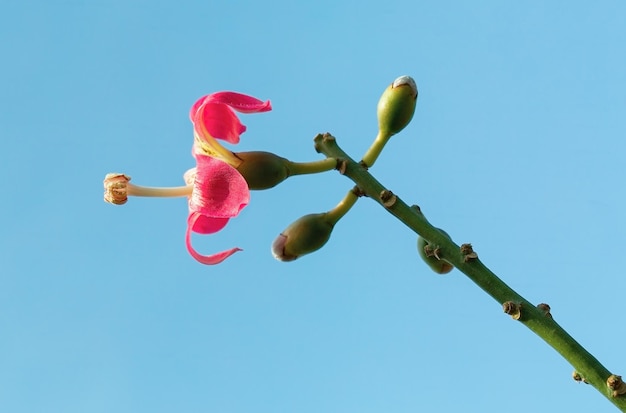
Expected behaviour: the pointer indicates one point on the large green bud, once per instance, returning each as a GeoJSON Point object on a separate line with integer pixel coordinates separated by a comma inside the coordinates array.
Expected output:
{"type": "Point", "coordinates": [397, 105]}
{"type": "Point", "coordinates": [307, 234]}
{"type": "Point", "coordinates": [262, 170]}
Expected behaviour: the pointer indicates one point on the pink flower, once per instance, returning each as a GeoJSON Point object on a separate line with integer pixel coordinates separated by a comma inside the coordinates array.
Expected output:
{"type": "Point", "coordinates": [215, 189]}
{"type": "Point", "coordinates": [220, 192]}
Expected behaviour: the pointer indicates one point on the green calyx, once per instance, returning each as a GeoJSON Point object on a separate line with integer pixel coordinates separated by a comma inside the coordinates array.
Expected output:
{"type": "Point", "coordinates": [307, 234]}
{"type": "Point", "coordinates": [262, 170]}
{"type": "Point", "coordinates": [397, 106]}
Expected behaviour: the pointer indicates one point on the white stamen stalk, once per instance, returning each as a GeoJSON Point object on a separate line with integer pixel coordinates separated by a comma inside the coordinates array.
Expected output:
{"type": "Point", "coordinates": [117, 188]}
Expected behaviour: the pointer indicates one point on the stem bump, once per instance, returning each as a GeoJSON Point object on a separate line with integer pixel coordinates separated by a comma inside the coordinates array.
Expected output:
{"type": "Point", "coordinates": [579, 378]}
{"type": "Point", "coordinates": [513, 309]}
{"type": "Point", "coordinates": [388, 198]}
{"type": "Point", "coordinates": [615, 383]}
{"type": "Point", "coordinates": [545, 308]}
{"type": "Point", "coordinates": [468, 253]}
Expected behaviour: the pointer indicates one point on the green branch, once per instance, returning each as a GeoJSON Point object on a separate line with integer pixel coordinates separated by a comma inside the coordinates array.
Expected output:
{"type": "Point", "coordinates": [536, 318]}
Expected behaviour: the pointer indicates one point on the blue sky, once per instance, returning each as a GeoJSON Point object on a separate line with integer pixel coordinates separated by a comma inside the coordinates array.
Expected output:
{"type": "Point", "coordinates": [517, 146]}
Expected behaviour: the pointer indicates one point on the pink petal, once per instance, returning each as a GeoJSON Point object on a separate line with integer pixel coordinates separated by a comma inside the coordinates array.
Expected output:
{"type": "Point", "coordinates": [219, 191]}
{"type": "Point", "coordinates": [194, 108]}
{"type": "Point", "coordinates": [206, 225]}
{"type": "Point", "coordinates": [218, 121]}
{"type": "Point", "coordinates": [204, 259]}
{"type": "Point", "coordinates": [240, 102]}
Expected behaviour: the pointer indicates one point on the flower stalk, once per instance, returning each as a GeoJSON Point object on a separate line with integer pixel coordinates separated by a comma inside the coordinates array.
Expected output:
{"type": "Point", "coordinates": [305, 168]}
{"type": "Point", "coordinates": [343, 206]}
{"type": "Point", "coordinates": [374, 151]}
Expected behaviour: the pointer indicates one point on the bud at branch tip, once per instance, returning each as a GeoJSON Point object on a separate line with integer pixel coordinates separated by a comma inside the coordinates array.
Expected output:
{"type": "Point", "coordinates": [395, 110]}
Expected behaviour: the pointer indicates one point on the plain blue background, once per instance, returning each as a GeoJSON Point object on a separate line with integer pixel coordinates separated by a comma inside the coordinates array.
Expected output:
{"type": "Point", "coordinates": [517, 146]}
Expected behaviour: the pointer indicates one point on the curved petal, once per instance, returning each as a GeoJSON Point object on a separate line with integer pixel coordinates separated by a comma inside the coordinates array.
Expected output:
{"type": "Point", "coordinates": [195, 106]}
{"type": "Point", "coordinates": [204, 259]}
{"type": "Point", "coordinates": [240, 102]}
{"type": "Point", "coordinates": [205, 225]}
{"type": "Point", "coordinates": [217, 121]}
{"type": "Point", "coordinates": [219, 191]}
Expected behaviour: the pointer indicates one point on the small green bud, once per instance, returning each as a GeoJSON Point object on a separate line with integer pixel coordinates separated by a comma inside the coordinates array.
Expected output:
{"type": "Point", "coordinates": [430, 255]}
{"type": "Point", "coordinates": [262, 170]}
{"type": "Point", "coordinates": [307, 234]}
{"type": "Point", "coordinates": [397, 105]}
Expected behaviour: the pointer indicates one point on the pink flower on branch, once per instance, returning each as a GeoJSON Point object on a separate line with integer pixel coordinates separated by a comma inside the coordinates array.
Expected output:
{"type": "Point", "coordinates": [216, 190]}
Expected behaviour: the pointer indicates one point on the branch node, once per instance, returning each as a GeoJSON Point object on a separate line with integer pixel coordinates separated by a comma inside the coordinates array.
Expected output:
{"type": "Point", "coordinates": [513, 309]}
{"type": "Point", "coordinates": [579, 378]}
{"type": "Point", "coordinates": [388, 198]}
{"type": "Point", "coordinates": [616, 384]}
{"type": "Point", "coordinates": [338, 163]}
{"type": "Point", "coordinates": [358, 192]}
{"type": "Point", "coordinates": [545, 308]}
{"type": "Point", "coordinates": [342, 165]}
{"type": "Point", "coordinates": [468, 253]}
{"type": "Point", "coordinates": [417, 209]}
{"type": "Point", "coordinates": [321, 140]}
{"type": "Point", "coordinates": [328, 137]}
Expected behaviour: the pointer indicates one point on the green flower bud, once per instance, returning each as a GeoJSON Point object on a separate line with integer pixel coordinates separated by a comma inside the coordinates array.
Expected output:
{"type": "Point", "coordinates": [430, 255]}
{"type": "Point", "coordinates": [307, 234]}
{"type": "Point", "coordinates": [397, 105]}
{"type": "Point", "coordinates": [262, 170]}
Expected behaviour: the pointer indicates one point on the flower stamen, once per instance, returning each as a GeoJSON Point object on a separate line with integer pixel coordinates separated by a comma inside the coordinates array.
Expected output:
{"type": "Point", "coordinates": [117, 189]}
{"type": "Point", "coordinates": [209, 146]}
